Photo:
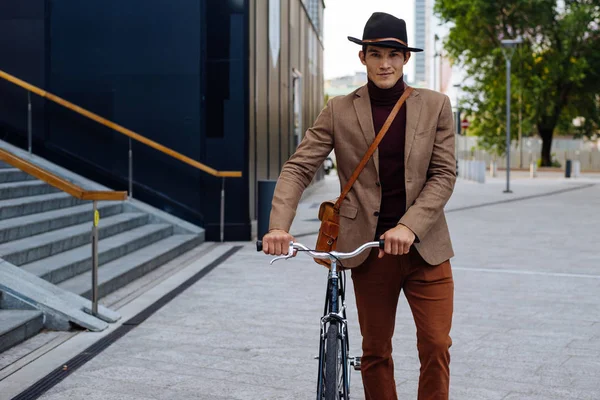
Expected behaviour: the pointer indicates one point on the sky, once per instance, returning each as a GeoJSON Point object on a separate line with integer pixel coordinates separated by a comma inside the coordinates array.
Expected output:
{"type": "Point", "coordinates": [345, 18]}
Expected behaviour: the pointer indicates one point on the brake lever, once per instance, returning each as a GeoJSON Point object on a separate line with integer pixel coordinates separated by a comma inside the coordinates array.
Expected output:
{"type": "Point", "coordinates": [280, 258]}
{"type": "Point", "coordinates": [291, 253]}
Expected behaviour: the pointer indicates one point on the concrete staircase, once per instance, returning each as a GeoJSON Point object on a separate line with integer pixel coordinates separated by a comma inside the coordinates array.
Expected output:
{"type": "Point", "coordinates": [48, 233]}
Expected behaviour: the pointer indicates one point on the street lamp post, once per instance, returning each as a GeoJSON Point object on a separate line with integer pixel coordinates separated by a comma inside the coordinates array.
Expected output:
{"type": "Point", "coordinates": [508, 48]}
{"type": "Point", "coordinates": [435, 56]}
{"type": "Point", "coordinates": [521, 110]}
{"type": "Point", "coordinates": [458, 118]}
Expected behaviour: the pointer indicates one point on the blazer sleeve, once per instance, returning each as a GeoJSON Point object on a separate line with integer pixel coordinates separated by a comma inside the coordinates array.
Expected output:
{"type": "Point", "coordinates": [298, 172]}
{"type": "Point", "coordinates": [441, 177]}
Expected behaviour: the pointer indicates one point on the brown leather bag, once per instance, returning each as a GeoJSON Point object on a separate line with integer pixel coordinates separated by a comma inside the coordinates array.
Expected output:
{"type": "Point", "coordinates": [329, 211]}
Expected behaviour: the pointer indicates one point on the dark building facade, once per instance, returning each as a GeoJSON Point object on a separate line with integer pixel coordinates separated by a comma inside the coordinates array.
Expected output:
{"type": "Point", "coordinates": [215, 80]}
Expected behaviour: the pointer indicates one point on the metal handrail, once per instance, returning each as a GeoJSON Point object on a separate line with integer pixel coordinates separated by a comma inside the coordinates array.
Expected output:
{"type": "Point", "coordinates": [127, 132]}
{"type": "Point", "coordinates": [58, 182]}
{"type": "Point", "coordinates": [77, 192]}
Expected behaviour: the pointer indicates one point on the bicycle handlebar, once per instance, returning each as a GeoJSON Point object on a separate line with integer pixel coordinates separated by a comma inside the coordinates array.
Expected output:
{"type": "Point", "coordinates": [259, 245]}
{"type": "Point", "coordinates": [324, 255]}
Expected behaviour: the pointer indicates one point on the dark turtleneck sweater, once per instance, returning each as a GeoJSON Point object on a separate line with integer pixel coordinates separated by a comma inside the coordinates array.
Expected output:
{"type": "Point", "coordinates": [391, 154]}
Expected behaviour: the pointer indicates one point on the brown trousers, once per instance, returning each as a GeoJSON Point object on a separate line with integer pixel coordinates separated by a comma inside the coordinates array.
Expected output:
{"type": "Point", "coordinates": [430, 294]}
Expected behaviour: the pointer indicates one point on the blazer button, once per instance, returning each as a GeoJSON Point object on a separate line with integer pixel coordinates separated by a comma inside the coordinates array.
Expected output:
{"type": "Point", "coordinates": [376, 213]}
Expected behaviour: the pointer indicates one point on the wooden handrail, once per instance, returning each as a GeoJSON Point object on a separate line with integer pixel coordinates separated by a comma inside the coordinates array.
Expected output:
{"type": "Point", "coordinates": [59, 182]}
{"type": "Point", "coordinates": [119, 128]}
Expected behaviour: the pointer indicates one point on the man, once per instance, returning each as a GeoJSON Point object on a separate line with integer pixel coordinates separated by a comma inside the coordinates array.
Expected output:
{"type": "Point", "coordinates": [399, 197]}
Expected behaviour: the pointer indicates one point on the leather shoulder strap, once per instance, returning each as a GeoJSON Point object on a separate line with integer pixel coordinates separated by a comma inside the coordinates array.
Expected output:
{"type": "Point", "coordinates": [369, 153]}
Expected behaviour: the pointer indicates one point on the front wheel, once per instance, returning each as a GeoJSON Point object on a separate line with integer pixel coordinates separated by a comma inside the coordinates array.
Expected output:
{"type": "Point", "coordinates": [334, 364]}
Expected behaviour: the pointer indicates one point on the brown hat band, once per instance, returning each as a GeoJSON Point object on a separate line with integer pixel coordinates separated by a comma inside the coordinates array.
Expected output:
{"type": "Point", "coordinates": [385, 40]}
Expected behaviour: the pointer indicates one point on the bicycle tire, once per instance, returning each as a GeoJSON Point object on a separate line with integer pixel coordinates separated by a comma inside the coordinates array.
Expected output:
{"type": "Point", "coordinates": [333, 367]}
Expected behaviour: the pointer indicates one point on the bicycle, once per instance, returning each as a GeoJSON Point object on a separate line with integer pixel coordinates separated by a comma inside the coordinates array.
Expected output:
{"type": "Point", "coordinates": [333, 381]}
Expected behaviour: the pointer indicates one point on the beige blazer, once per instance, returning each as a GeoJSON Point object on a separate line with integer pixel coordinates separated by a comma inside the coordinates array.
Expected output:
{"type": "Point", "coordinates": [346, 126]}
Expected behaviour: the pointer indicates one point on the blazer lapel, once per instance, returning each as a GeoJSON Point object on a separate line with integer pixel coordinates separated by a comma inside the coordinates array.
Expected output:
{"type": "Point", "coordinates": [362, 105]}
{"type": "Point", "coordinates": [413, 113]}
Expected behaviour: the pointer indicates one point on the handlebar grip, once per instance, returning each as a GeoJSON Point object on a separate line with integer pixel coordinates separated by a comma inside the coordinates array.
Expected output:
{"type": "Point", "coordinates": [259, 246]}
{"type": "Point", "coordinates": [381, 243]}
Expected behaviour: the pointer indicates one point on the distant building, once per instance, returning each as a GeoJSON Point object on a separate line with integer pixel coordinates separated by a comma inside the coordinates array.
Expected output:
{"type": "Point", "coordinates": [344, 84]}
{"type": "Point", "coordinates": [423, 60]}
{"type": "Point", "coordinates": [432, 67]}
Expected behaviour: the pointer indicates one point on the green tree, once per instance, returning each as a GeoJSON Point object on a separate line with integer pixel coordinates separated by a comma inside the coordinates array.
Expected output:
{"type": "Point", "coordinates": [556, 69]}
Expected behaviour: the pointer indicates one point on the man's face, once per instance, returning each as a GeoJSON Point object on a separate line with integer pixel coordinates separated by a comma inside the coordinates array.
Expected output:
{"type": "Point", "coordinates": [384, 65]}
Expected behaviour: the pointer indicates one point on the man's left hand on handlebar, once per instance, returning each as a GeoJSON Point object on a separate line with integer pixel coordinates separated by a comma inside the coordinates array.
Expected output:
{"type": "Point", "coordinates": [397, 241]}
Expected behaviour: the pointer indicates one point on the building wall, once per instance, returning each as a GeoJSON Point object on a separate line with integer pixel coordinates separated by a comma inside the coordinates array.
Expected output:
{"type": "Point", "coordinates": [174, 72]}
{"type": "Point", "coordinates": [286, 43]}
{"type": "Point", "coordinates": [140, 67]}
{"type": "Point", "coordinates": [23, 37]}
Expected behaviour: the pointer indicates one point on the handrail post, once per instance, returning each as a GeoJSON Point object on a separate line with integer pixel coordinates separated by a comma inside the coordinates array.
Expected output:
{"type": "Point", "coordinates": [223, 209]}
{"type": "Point", "coordinates": [95, 260]}
{"type": "Point", "coordinates": [130, 170]}
{"type": "Point", "coordinates": [29, 122]}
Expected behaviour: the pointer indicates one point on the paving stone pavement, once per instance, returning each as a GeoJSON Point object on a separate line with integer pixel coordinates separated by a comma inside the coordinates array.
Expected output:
{"type": "Point", "coordinates": [526, 323]}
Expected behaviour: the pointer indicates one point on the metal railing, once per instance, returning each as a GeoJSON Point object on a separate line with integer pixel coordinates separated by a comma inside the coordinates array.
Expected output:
{"type": "Point", "coordinates": [127, 132]}
{"type": "Point", "coordinates": [77, 192]}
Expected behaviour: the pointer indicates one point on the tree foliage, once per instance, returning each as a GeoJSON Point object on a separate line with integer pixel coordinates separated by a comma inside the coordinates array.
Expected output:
{"type": "Point", "coordinates": [555, 71]}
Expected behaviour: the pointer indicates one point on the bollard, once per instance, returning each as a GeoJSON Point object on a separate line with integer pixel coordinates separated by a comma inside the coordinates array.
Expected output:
{"type": "Point", "coordinates": [568, 169]}
{"type": "Point", "coordinates": [576, 169]}
{"type": "Point", "coordinates": [481, 171]}
{"type": "Point", "coordinates": [532, 170]}
{"type": "Point", "coordinates": [493, 169]}
{"type": "Point", "coordinates": [266, 189]}
{"type": "Point", "coordinates": [471, 170]}
{"type": "Point", "coordinates": [469, 166]}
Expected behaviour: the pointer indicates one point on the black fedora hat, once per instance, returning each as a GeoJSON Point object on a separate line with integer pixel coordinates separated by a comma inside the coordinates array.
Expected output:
{"type": "Point", "coordinates": [385, 30]}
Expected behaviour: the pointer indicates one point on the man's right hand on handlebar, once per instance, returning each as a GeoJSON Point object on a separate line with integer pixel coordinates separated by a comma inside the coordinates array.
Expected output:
{"type": "Point", "coordinates": [277, 242]}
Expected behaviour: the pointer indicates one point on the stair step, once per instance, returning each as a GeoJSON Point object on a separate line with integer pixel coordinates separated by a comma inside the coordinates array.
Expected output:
{"type": "Point", "coordinates": [122, 271]}
{"type": "Point", "coordinates": [14, 190]}
{"type": "Point", "coordinates": [13, 208]}
{"type": "Point", "coordinates": [71, 263]}
{"type": "Point", "coordinates": [47, 244]}
{"type": "Point", "coordinates": [17, 326]}
{"type": "Point", "coordinates": [5, 165]}
{"type": "Point", "coordinates": [14, 175]}
{"type": "Point", "coordinates": [35, 224]}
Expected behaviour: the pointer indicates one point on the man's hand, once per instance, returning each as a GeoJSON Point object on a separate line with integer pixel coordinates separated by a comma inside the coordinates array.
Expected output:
{"type": "Point", "coordinates": [277, 242]}
{"type": "Point", "coordinates": [397, 241]}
